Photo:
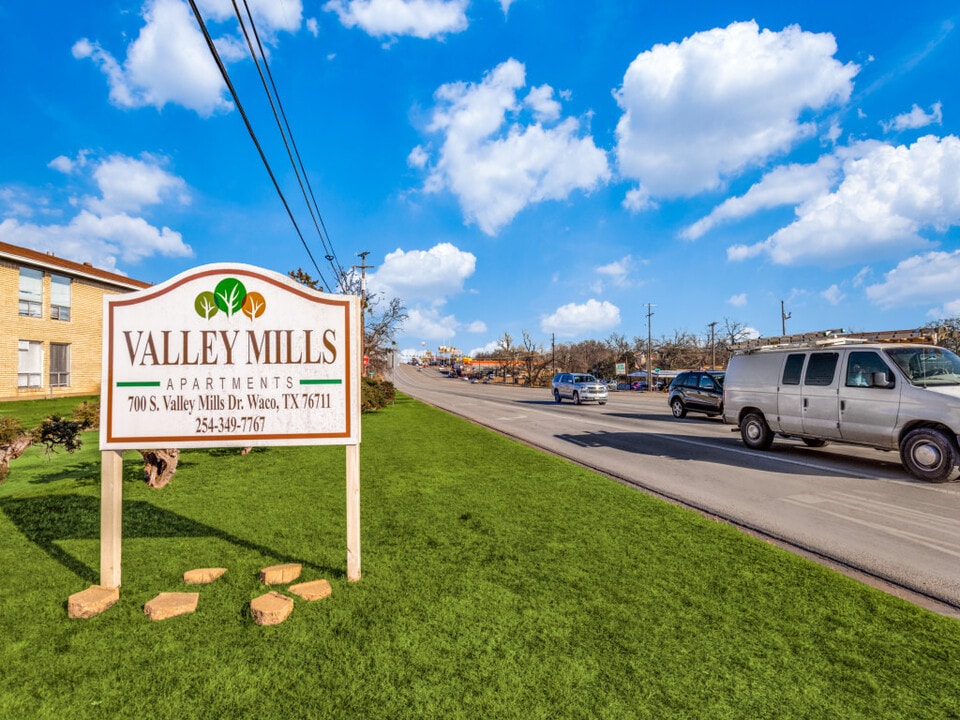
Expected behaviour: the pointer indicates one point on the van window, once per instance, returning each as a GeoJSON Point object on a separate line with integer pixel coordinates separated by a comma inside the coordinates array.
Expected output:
{"type": "Point", "coordinates": [792, 369]}
{"type": "Point", "coordinates": [861, 365]}
{"type": "Point", "coordinates": [821, 368]}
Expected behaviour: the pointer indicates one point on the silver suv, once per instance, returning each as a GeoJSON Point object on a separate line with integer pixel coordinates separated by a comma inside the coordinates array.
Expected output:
{"type": "Point", "coordinates": [578, 387]}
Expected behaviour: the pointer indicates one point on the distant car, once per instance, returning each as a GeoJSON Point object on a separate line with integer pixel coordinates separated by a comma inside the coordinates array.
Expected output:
{"type": "Point", "coordinates": [696, 391]}
{"type": "Point", "coordinates": [639, 385]}
{"type": "Point", "coordinates": [579, 387]}
{"type": "Point", "coordinates": [611, 384]}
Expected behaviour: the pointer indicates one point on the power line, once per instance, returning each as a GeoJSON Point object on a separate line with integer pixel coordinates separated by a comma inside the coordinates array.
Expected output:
{"type": "Point", "coordinates": [298, 167]}
{"type": "Point", "coordinates": [253, 135]}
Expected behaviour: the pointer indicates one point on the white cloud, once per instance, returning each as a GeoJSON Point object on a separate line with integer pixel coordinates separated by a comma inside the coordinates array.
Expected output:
{"type": "Point", "coordinates": [916, 118]}
{"type": "Point", "coordinates": [494, 163]}
{"type": "Point", "coordinates": [491, 347]}
{"type": "Point", "coordinates": [312, 27]}
{"type": "Point", "coordinates": [389, 18]}
{"type": "Point", "coordinates": [738, 300]}
{"type": "Point", "coordinates": [477, 326]}
{"type": "Point", "coordinates": [617, 271]}
{"type": "Point", "coordinates": [105, 230]}
{"type": "Point", "coordinates": [429, 275]}
{"type": "Point", "coordinates": [591, 317]}
{"type": "Point", "coordinates": [928, 278]}
{"type": "Point", "coordinates": [418, 158]}
{"type": "Point", "coordinates": [429, 324]}
{"type": "Point", "coordinates": [699, 111]}
{"type": "Point", "coordinates": [101, 241]}
{"type": "Point", "coordinates": [540, 100]}
{"type": "Point", "coordinates": [785, 185]}
{"type": "Point", "coordinates": [128, 185]}
{"type": "Point", "coordinates": [887, 196]}
{"type": "Point", "coordinates": [169, 61]}
{"type": "Point", "coordinates": [833, 295]}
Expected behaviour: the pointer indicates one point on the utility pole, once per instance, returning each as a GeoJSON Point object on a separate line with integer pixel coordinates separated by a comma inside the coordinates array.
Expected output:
{"type": "Point", "coordinates": [363, 267]}
{"type": "Point", "coordinates": [713, 347]}
{"type": "Point", "coordinates": [649, 347]}
{"type": "Point", "coordinates": [784, 316]}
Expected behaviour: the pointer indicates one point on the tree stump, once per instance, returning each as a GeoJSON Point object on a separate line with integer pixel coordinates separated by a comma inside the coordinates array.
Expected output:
{"type": "Point", "coordinates": [11, 452]}
{"type": "Point", "coordinates": [159, 466]}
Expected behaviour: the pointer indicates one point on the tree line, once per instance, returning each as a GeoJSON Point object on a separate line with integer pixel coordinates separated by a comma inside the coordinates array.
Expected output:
{"type": "Point", "coordinates": [680, 351]}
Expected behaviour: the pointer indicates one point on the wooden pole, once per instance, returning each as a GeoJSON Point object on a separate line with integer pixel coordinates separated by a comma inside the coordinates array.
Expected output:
{"type": "Point", "coordinates": [111, 499]}
{"type": "Point", "coordinates": [353, 513]}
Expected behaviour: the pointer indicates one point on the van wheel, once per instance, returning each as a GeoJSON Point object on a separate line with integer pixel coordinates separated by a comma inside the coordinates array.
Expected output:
{"type": "Point", "coordinates": [556, 396]}
{"type": "Point", "coordinates": [928, 454]}
{"type": "Point", "coordinates": [814, 442]}
{"type": "Point", "coordinates": [576, 398]}
{"type": "Point", "coordinates": [679, 411]}
{"type": "Point", "coordinates": [755, 432]}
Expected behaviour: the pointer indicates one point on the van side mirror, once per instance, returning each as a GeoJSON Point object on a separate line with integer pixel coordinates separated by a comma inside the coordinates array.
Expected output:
{"type": "Point", "coordinates": [880, 380]}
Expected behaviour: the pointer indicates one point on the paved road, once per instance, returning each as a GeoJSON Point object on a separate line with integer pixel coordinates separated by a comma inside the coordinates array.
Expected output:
{"type": "Point", "coordinates": [853, 508]}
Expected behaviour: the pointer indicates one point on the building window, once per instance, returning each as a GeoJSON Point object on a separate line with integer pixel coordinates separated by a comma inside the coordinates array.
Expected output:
{"type": "Point", "coordinates": [59, 365]}
{"type": "Point", "coordinates": [31, 292]}
{"type": "Point", "coordinates": [59, 297]}
{"type": "Point", "coordinates": [30, 364]}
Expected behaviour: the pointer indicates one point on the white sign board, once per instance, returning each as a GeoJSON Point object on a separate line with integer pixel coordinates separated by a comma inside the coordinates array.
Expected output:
{"type": "Point", "coordinates": [230, 355]}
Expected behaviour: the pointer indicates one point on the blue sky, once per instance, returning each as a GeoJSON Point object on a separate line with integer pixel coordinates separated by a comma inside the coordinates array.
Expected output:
{"type": "Point", "coordinates": [510, 166]}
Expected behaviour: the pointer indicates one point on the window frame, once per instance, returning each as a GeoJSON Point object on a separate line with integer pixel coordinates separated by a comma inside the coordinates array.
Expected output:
{"type": "Point", "coordinates": [59, 310]}
{"type": "Point", "coordinates": [59, 378]}
{"type": "Point", "coordinates": [25, 373]}
{"type": "Point", "coordinates": [30, 300]}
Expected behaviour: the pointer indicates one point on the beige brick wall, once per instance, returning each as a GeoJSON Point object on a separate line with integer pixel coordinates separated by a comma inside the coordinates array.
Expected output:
{"type": "Point", "coordinates": [83, 332]}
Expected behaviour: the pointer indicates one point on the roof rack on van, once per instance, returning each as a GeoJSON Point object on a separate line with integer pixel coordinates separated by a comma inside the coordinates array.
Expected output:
{"type": "Point", "coordinates": [835, 337]}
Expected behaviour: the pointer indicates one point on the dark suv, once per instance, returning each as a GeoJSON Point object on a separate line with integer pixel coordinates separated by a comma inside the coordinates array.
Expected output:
{"type": "Point", "coordinates": [696, 391]}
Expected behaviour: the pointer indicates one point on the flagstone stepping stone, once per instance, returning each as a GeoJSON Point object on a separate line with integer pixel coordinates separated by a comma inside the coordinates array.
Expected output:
{"type": "Point", "coordinates": [92, 601]}
{"type": "Point", "coordinates": [280, 574]}
{"type": "Point", "coordinates": [315, 590]}
{"type": "Point", "coordinates": [202, 576]}
{"type": "Point", "coordinates": [271, 609]}
{"type": "Point", "coordinates": [171, 604]}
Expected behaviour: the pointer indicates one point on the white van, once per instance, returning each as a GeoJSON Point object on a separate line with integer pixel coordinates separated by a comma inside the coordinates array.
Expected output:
{"type": "Point", "coordinates": [891, 396]}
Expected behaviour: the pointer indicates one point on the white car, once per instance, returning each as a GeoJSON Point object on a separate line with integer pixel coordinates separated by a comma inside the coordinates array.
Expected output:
{"type": "Point", "coordinates": [579, 387]}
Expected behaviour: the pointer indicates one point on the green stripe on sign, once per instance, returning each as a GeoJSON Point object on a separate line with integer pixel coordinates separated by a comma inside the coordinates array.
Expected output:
{"type": "Point", "coordinates": [321, 382]}
{"type": "Point", "coordinates": [148, 383]}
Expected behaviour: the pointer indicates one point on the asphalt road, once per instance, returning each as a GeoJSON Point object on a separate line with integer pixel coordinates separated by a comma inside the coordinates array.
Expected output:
{"type": "Point", "coordinates": [855, 509]}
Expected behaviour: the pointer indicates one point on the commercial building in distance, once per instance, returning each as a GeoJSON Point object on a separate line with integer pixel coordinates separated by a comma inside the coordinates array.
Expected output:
{"type": "Point", "coordinates": [51, 323]}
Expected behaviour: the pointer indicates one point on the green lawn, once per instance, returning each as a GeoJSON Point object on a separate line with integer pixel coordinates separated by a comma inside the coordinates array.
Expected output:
{"type": "Point", "coordinates": [498, 582]}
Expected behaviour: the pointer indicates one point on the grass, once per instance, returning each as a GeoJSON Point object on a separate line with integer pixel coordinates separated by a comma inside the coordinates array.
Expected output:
{"type": "Point", "coordinates": [498, 582]}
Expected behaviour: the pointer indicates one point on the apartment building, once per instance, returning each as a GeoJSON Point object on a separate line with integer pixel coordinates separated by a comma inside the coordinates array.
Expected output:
{"type": "Point", "coordinates": [51, 323]}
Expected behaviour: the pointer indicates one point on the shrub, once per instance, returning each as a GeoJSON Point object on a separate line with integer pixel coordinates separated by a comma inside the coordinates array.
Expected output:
{"type": "Point", "coordinates": [10, 430]}
{"type": "Point", "coordinates": [88, 415]}
{"type": "Point", "coordinates": [376, 394]}
{"type": "Point", "coordinates": [56, 430]}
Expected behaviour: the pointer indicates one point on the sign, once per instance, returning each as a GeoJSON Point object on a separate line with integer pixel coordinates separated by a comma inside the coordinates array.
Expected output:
{"type": "Point", "coordinates": [230, 355]}
{"type": "Point", "coordinates": [621, 368]}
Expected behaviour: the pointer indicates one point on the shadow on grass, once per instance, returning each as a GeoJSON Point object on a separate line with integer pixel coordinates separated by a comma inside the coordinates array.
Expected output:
{"type": "Point", "coordinates": [46, 521]}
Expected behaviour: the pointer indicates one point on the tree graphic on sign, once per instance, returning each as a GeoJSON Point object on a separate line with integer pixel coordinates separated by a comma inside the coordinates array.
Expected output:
{"type": "Point", "coordinates": [231, 297]}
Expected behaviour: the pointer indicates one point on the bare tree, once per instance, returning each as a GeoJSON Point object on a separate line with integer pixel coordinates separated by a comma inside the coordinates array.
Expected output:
{"type": "Point", "coordinates": [381, 321]}
{"type": "Point", "coordinates": [948, 333]}
{"type": "Point", "coordinates": [535, 363]}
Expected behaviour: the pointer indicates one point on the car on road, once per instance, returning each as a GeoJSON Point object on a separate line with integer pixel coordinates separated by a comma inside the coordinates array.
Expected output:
{"type": "Point", "coordinates": [579, 387]}
{"type": "Point", "coordinates": [696, 391]}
